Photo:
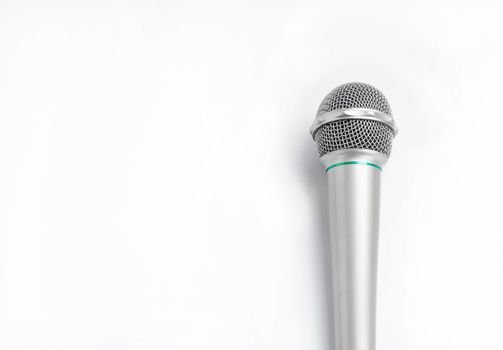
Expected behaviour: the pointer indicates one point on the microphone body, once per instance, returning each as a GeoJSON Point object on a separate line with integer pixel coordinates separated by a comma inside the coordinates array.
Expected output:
{"type": "Point", "coordinates": [354, 179]}
{"type": "Point", "coordinates": [353, 130]}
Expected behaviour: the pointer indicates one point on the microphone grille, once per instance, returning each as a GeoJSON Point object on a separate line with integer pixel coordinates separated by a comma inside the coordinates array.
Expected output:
{"type": "Point", "coordinates": [354, 95]}
{"type": "Point", "coordinates": [354, 133]}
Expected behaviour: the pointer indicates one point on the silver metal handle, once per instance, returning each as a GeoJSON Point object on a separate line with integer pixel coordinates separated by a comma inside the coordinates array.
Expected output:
{"type": "Point", "coordinates": [354, 197]}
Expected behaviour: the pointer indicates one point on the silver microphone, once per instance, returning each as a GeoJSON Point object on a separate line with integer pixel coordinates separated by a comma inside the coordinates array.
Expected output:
{"type": "Point", "coordinates": [353, 130]}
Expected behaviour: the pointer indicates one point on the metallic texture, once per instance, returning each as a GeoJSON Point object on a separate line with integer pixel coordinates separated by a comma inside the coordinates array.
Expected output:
{"type": "Point", "coordinates": [352, 113]}
{"type": "Point", "coordinates": [354, 133]}
{"type": "Point", "coordinates": [354, 116]}
{"type": "Point", "coordinates": [353, 129]}
{"type": "Point", "coordinates": [354, 95]}
{"type": "Point", "coordinates": [354, 192]}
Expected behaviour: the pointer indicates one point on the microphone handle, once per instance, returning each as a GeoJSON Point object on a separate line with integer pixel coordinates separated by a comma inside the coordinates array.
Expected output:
{"type": "Point", "coordinates": [354, 197]}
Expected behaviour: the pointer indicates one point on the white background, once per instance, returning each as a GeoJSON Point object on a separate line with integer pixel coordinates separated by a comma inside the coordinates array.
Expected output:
{"type": "Point", "coordinates": [159, 188]}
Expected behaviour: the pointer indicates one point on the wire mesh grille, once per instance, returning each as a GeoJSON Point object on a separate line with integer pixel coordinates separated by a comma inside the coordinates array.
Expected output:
{"type": "Point", "coordinates": [354, 133]}
{"type": "Point", "coordinates": [354, 95]}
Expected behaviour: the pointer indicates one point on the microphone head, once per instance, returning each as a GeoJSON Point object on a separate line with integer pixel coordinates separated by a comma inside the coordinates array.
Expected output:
{"type": "Point", "coordinates": [354, 116]}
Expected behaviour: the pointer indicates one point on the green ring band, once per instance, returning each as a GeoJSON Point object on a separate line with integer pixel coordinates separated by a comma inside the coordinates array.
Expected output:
{"type": "Point", "coordinates": [353, 162]}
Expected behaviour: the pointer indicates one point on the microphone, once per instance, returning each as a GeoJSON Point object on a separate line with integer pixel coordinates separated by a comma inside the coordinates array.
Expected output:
{"type": "Point", "coordinates": [353, 130]}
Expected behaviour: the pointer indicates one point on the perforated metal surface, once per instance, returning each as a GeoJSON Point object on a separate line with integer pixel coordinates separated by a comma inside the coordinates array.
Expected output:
{"type": "Point", "coordinates": [354, 133]}
{"type": "Point", "coordinates": [354, 95]}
